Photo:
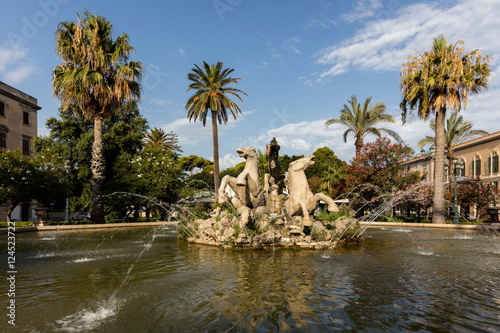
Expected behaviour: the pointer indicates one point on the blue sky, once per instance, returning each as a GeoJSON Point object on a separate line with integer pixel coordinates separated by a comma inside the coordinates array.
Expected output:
{"type": "Point", "coordinates": [299, 61]}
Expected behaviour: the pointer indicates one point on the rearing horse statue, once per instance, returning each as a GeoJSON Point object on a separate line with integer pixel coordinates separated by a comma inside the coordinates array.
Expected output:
{"type": "Point", "coordinates": [301, 200]}
{"type": "Point", "coordinates": [246, 186]}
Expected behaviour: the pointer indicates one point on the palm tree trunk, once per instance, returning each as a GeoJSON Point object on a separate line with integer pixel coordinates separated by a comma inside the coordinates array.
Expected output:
{"type": "Point", "coordinates": [97, 165]}
{"type": "Point", "coordinates": [438, 208]}
{"type": "Point", "coordinates": [358, 144]}
{"type": "Point", "coordinates": [215, 139]}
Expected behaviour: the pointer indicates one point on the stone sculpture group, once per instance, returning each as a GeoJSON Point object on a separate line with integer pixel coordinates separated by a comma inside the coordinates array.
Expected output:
{"type": "Point", "coordinates": [280, 211]}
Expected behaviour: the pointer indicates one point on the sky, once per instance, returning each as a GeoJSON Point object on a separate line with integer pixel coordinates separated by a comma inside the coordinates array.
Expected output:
{"type": "Point", "coordinates": [299, 62]}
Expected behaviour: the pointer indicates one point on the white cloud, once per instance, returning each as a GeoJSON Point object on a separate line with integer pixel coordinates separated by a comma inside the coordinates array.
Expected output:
{"type": "Point", "coordinates": [290, 45]}
{"type": "Point", "coordinates": [159, 101]}
{"type": "Point", "coordinates": [229, 161]}
{"type": "Point", "coordinates": [16, 63]}
{"type": "Point", "coordinates": [363, 9]}
{"type": "Point", "coordinates": [385, 43]}
{"type": "Point", "coordinates": [195, 134]}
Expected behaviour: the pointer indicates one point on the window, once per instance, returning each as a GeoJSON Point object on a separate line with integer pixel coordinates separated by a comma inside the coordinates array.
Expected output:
{"type": "Point", "coordinates": [461, 169]}
{"type": "Point", "coordinates": [3, 137]}
{"type": "Point", "coordinates": [26, 146]}
{"type": "Point", "coordinates": [476, 166]}
{"type": "Point", "coordinates": [493, 162]}
{"type": "Point", "coordinates": [26, 118]}
{"type": "Point", "coordinates": [3, 140]}
{"type": "Point", "coordinates": [2, 109]}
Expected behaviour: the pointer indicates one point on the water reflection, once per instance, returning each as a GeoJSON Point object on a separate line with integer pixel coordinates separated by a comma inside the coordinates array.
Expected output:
{"type": "Point", "coordinates": [145, 280]}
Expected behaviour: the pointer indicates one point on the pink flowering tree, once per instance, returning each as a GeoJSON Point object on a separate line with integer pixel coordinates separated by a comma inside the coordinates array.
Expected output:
{"type": "Point", "coordinates": [376, 172]}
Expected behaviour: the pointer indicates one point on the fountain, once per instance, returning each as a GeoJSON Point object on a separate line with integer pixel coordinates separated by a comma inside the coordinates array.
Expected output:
{"type": "Point", "coordinates": [146, 279]}
{"type": "Point", "coordinates": [253, 216]}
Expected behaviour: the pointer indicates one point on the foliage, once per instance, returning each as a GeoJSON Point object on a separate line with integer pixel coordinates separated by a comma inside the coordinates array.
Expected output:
{"type": "Point", "coordinates": [362, 120]}
{"type": "Point", "coordinates": [376, 170]}
{"type": "Point", "coordinates": [314, 183]}
{"type": "Point", "coordinates": [158, 137]}
{"type": "Point", "coordinates": [474, 192]}
{"type": "Point", "coordinates": [157, 173]}
{"type": "Point", "coordinates": [70, 140]}
{"type": "Point", "coordinates": [415, 197]}
{"type": "Point", "coordinates": [344, 211]}
{"type": "Point", "coordinates": [330, 170]}
{"type": "Point", "coordinates": [24, 178]}
{"type": "Point", "coordinates": [192, 162]}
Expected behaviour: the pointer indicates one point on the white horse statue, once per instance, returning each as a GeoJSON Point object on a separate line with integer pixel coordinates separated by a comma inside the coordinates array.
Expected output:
{"type": "Point", "coordinates": [301, 200]}
{"type": "Point", "coordinates": [246, 186]}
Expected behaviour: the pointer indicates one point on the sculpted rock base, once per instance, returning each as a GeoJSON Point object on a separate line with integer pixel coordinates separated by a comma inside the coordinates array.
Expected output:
{"type": "Point", "coordinates": [271, 232]}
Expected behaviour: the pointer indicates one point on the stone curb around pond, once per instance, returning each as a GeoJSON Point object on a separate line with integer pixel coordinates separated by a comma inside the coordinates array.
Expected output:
{"type": "Point", "coordinates": [485, 226]}
{"type": "Point", "coordinates": [87, 226]}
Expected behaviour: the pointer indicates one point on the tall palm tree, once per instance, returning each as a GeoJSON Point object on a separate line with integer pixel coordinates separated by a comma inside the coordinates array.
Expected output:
{"type": "Point", "coordinates": [362, 119]}
{"type": "Point", "coordinates": [95, 78]}
{"type": "Point", "coordinates": [435, 81]}
{"type": "Point", "coordinates": [212, 92]}
{"type": "Point", "coordinates": [456, 131]}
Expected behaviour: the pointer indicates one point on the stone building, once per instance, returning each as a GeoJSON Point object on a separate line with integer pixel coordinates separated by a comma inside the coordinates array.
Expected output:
{"type": "Point", "coordinates": [479, 156]}
{"type": "Point", "coordinates": [18, 130]}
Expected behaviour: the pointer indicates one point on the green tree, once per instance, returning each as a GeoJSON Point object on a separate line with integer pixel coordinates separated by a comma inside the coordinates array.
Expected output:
{"type": "Point", "coordinates": [212, 92]}
{"type": "Point", "coordinates": [156, 174]}
{"type": "Point", "coordinates": [456, 131]}
{"type": "Point", "coordinates": [435, 81]}
{"type": "Point", "coordinates": [189, 163]}
{"type": "Point", "coordinates": [96, 77]}
{"type": "Point", "coordinates": [376, 172]}
{"type": "Point", "coordinates": [24, 178]}
{"type": "Point", "coordinates": [71, 138]}
{"type": "Point", "coordinates": [362, 120]}
{"type": "Point", "coordinates": [474, 192]}
{"type": "Point", "coordinates": [329, 169]}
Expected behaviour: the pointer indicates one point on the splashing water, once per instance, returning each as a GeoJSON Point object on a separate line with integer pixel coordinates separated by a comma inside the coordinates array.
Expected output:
{"type": "Point", "coordinates": [87, 319]}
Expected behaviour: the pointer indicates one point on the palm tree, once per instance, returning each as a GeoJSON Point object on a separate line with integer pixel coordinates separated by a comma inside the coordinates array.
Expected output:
{"type": "Point", "coordinates": [456, 131]}
{"type": "Point", "coordinates": [211, 85]}
{"type": "Point", "coordinates": [362, 119]}
{"type": "Point", "coordinates": [157, 137]}
{"type": "Point", "coordinates": [435, 81]}
{"type": "Point", "coordinates": [95, 78]}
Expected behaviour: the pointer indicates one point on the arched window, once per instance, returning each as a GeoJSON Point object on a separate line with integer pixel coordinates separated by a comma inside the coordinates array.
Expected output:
{"type": "Point", "coordinates": [476, 166]}
{"type": "Point", "coordinates": [493, 162]}
{"type": "Point", "coordinates": [461, 169]}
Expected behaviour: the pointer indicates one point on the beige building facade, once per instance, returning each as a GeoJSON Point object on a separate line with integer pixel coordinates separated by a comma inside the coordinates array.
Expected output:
{"type": "Point", "coordinates": [479, 156]}
{"type": "Point", "coordinates": [18, 130]}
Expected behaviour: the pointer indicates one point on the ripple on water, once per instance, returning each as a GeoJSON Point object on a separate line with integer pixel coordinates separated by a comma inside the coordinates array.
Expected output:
{"type": "Point", "coordinates": [402, 230]}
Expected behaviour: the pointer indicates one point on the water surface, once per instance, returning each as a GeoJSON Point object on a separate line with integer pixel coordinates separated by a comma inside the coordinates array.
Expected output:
{"type": "Point", "coordinates": [145, 280]}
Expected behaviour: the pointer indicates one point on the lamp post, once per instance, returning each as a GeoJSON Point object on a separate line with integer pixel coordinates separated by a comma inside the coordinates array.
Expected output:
{"type": "Point", "coordinates": [456, 173]}
{"type": "Point", "coordinates": [69, 167]}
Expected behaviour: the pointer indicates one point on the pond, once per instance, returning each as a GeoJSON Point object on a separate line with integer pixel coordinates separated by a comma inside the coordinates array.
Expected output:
{"type": "Point", "coordinates": [145, 280]}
